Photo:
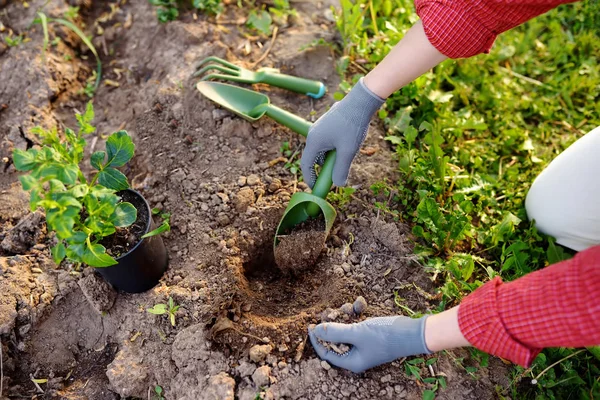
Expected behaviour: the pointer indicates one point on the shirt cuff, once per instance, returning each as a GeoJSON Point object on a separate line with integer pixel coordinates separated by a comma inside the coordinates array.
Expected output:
{"type": "Point", "coordinates": [480, 323]}
{"type": "Point", "coordinates": [452, 29]}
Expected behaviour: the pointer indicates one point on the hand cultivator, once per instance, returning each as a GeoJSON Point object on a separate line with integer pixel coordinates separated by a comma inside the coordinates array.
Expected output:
{"type": "Point", "coordinates": [269, 76]}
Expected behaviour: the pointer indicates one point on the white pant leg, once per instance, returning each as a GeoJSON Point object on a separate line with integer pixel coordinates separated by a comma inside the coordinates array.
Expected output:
{"type": "Point", "coordinates": [564, 200]}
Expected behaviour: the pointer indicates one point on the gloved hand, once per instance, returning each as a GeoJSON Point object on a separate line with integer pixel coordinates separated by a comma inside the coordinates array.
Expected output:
{"type": "Point", "coordinates": [343, 128]}
{"type": "Point", "coordinates": [375, 341]}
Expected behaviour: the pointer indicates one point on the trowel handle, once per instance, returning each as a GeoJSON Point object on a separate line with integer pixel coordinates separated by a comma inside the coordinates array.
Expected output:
{"type": "Point", "coordinates": [302, 126]}
{"type": "Point", "coordinates": [292, 121]}
{"type": "Point", "coordinates": [314, 89]}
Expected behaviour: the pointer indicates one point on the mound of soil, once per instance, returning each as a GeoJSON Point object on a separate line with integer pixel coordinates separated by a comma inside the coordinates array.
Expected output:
{"type": "Point", "coordinates": [299, 249]}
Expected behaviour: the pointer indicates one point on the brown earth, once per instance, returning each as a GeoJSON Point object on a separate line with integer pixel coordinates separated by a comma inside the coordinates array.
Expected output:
{"type": "Point", "coordinates": [241, 328]}
{"type": "Point", "coordinates": [298, 250]}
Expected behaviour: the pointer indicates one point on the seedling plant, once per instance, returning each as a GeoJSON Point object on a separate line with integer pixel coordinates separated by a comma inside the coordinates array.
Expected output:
{"type": "Point", "coordinates": [80, 211]}
{"type": "Point", "coordinates": [169, 309]}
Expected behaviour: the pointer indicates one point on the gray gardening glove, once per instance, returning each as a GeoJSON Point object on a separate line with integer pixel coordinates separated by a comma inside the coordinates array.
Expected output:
{"type": "Point", "coordinates": [343, 128]}
{"type": "Point", "coordinates": [374, 341]}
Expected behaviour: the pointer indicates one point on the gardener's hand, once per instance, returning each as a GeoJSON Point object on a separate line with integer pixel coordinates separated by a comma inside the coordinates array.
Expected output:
{"type": "Point", "coordinates": [375, 341]}
{"type": "Point", "coordinates": [343, 128]}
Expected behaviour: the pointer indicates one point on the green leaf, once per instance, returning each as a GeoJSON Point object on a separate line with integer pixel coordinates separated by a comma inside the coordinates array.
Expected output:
{"type": "Point", "coordinates": [556, 253]}
{"type": "Point", "coordinates": [260, 21]}
{"type": "Point", "coordinates": [416, 361]}
{"type": "Point", "coordinates": [119, 148]}
{"type": "Point", "coordinates": [112, 179]}
{"type": "Point", "coordinates": [61, 222]}
{"type": "Point", "coordinates": [79, 190]}
{"type": "Point", "coordinates": [58, 252]}
{"type": "Point", "coordinates": [125, 214]}
{"type": "Point", "coordinates": [164, 227]}
{"type": "Point", "coordinates": [431, 361]}
{"type": "Point", "coordinates": [95, 256]}
{"type": "Point", "coordinates": [158, 390]}
{"type": "Point", "coordinates": [24, 160]}
{"type": "Point", "coordinates": [97, 159]}
{"type": "Point", "coordinates": [428, 394]}
{"type": "Point", "coordinates": [68, 174]}
{"type": "Point", "coordinates": [28, 182]}
{"type": "Point", "coordinates": [158, 309]}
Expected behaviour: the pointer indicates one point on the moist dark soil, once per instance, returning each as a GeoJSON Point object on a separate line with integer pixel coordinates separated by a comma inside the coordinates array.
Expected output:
{"type": "Point", "coordinates": [125, 239]}
{"type": "Point", "coordinates": [241, 329]}
{"type": "Point", "coordinates": [299, 249]}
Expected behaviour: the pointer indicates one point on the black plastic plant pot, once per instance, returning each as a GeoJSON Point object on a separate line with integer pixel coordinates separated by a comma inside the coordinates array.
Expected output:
{"type": "Point", "coordinates": [140, 268]}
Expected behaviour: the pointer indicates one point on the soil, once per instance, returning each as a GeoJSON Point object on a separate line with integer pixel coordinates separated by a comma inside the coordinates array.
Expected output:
{"type": "Point", "coordinates": [241, 329]}
{"type": "Point", "coordinates": [299, 249]}
{"type": "Point", "coordinates": [125, 239]}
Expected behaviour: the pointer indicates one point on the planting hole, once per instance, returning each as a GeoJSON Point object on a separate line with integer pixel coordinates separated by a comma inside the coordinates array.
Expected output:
{"type": "Point", "coordinates": [273, 293]}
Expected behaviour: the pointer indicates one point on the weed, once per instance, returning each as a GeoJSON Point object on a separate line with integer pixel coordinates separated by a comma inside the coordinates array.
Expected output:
{"type": "Point", "coordinates": [81, 212]}
{"type": "Point", "coordinates": [163, 227]}
{"type": "Point", "coordinates": [44, 21]}
{"type": "Point", "coordinates": [433, 382]}
{"type": "Point", "coordinates": [168, 10]}
{"type": "Point", "coordinates": [170, 309]}
{"type": "Point", "coordinates": [293, 158]}
{"type": "Point", "coordinates": [14, 41]}
{"type": "Point", "coordinates": [341, 196]}
{"type": "Point", "coordinates": [158, 391]}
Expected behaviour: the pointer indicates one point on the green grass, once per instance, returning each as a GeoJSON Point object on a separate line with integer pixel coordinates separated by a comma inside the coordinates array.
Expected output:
{"type": "Point", "coordinates": [470, 137]}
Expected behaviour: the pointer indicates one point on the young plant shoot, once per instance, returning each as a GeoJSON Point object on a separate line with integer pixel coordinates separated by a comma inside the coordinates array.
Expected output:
{"type": "Point", "coordinates": [80, 211]}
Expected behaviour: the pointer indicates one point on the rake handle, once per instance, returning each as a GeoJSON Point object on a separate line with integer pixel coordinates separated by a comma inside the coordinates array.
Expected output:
{"type": "Point", "coordinates": [311, 88]}
{"type": "Point", "coordinates": [301, 126]}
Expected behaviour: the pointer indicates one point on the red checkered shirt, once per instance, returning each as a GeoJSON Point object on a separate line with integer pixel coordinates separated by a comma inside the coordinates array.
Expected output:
{"type": "Point", "coordinates": [464, 28]}
{"type": "Point", "coordinates": [558, 306]}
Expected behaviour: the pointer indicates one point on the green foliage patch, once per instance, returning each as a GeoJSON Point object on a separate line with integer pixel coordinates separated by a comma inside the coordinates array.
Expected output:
{"type": "Point", "coordinates": [470, 138]}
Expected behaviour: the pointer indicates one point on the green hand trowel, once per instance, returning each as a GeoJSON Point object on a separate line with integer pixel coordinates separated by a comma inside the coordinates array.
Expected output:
{"type": "Point", "coordinates": [251, 106]}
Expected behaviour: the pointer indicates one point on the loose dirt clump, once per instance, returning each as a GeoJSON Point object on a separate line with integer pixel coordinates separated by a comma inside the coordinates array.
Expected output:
{"type": "Point", "coordinates": [299, 249]}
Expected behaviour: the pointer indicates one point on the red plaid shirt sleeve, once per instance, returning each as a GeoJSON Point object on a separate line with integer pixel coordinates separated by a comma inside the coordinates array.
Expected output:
{"type": "Point", "coordinates": [558, 306]}
{"type": "Point", "coordinates": [464, 28]}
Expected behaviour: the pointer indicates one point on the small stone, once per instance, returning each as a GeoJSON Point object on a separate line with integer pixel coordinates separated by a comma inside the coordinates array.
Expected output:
{"type": "Point", "coordinates": [243, 199]}
{"type": "Point", "coordinates": [360, 305]}
{"type": "Point", "coordinates": [241, 181]}
{"type": "Point", "coordinates": [347, 309]}
{"type": "Point", "coordinates": [339, 271]}
{"type": "Point", "coordinates": [325, 365]}
{"type": "Point", "coordinates": [223, 219]}
{"type": "Point", "coordinates": [253, 180]}
{"type": "Point", "coordinates": [347, 267]}
{"type": "Point", "coordinates": [281, 364]}
{"type": "Point", "coordinates": [283, 348]}
{"type": "Point", "coordinates": [259, 352]}
{"type": "Point", "coordinates": [221, 386]}
{"type": "Point", "coordinates": [275, 185]}
{"type": "Point", "coordinates": [219, 114]}
{"type": "Point", "coordinates": [261, 376]}
{"type": "Point", "coordinates": [245, 369]}
{"type": "Point", "coordinates": [386, 378]}
{"type": "Point", "coordinates": [329, 315]}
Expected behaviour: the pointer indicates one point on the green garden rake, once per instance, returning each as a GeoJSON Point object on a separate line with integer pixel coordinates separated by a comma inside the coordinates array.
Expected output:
{"type": "Point", "coordinates": [269, 76]}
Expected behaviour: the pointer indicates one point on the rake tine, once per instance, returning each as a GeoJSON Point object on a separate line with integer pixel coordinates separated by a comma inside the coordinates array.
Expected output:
{"type": "Point", "coordinates": [219, 61]}
{"type": "Point", "coordinates": [232, 78]}
{"type": "Point", "coordinates": [218, 68]}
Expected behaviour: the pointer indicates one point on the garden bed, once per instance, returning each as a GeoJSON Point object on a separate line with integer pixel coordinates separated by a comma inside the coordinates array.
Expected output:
{"type": "Point", "coordinates": [226, 186]}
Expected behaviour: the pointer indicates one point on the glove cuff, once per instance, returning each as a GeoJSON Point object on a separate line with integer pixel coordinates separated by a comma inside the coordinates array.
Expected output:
{"type": "Point", "coordinates": [409, 336]}
{"type": "Point", "coordinates": [360, 102]}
